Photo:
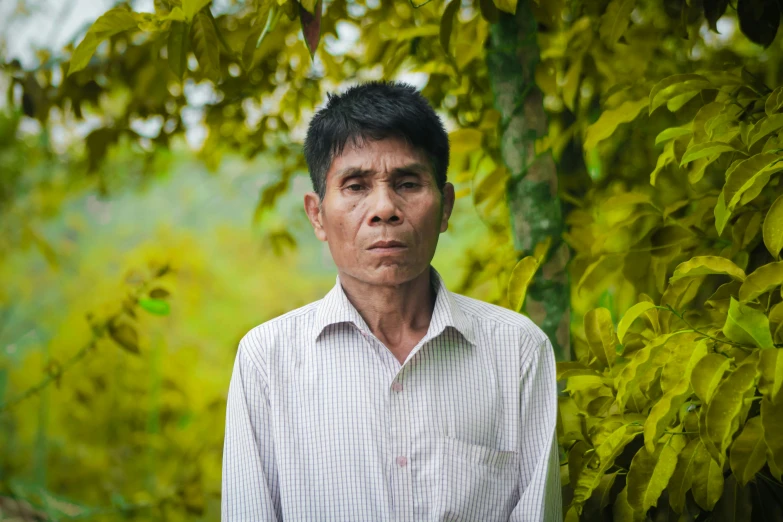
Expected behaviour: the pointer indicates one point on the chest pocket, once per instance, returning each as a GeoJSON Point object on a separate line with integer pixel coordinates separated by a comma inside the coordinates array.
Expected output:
{"type": "Point", "coordinates": [477, 482]}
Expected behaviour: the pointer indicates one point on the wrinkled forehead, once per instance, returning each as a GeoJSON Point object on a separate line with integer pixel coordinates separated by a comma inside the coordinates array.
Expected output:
{"type": "Point", "coordinates": [379, 157]}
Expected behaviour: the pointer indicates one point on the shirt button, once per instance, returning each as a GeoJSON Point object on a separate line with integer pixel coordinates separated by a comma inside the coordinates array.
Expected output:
{"type": "Point", "coordinates": [397, 386]}
{"type": "Point", "coordinates": [402, 461]}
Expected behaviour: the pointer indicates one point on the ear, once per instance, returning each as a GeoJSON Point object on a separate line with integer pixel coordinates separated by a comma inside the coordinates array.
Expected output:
{"type": "Point", "coordinates": [312, 206]}
{"type": "Point", "coordinates": [448, 205]}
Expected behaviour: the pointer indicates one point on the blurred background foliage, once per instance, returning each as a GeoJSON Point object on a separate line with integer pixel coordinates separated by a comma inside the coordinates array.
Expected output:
{"type": "Point", "coordinates": [151, 190]}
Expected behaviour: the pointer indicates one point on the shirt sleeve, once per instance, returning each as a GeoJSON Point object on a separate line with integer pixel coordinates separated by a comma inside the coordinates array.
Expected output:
{"type": "Point", "coordinates": [249, 482]}
{"type": "Point", "coordinates": [540, 496]}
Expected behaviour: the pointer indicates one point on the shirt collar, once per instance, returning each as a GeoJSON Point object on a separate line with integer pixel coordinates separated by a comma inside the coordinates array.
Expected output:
{"type": "Point", "coordinates": [336, 308]}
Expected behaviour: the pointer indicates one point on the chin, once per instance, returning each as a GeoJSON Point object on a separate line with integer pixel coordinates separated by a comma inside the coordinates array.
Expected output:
{"type": "Point", "coordinates": [389, 274]}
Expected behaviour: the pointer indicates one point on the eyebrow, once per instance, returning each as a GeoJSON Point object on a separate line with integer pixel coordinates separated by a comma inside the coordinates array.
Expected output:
{"type": "Point", "coordinates": [406, 170]}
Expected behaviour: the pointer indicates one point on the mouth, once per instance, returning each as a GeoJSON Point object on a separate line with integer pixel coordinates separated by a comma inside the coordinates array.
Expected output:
{"type": "Point", "coordinates": [387, 246]}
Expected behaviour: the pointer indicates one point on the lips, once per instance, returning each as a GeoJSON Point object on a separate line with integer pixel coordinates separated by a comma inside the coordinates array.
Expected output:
{"type": "Point", "coordinates": [387, 244]}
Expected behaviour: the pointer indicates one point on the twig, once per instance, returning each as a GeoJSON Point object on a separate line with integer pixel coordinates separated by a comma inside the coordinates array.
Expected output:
{"type": "Point", "coordinates": [705, 334]}
{"type": "Point", "coordinates": [53, 376]}
{"type": "Point", "coordinates": [98, 333]}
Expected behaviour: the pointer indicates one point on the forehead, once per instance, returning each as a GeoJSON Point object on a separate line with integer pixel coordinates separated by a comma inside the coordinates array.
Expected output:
{"type": "Point", "coordinates": [376, 156]}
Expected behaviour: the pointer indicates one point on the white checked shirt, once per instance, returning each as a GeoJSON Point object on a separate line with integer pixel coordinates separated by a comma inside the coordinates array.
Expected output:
{"type": "Point", "coordinates": [324, 423]}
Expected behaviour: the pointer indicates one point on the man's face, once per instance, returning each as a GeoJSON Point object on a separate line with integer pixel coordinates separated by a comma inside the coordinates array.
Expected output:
{"type": "Point", "coordinates": [381, 191]}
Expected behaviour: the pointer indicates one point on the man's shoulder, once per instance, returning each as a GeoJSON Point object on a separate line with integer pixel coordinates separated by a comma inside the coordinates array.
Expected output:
{"type": "Point", "coordinates": [270, 332]}
{"type": "Point", "coordinates": [488, 315]}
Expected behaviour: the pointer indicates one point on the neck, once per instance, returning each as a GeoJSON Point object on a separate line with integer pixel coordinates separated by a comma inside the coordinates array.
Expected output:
{"type": "Point", "coordinates": [393, 312]}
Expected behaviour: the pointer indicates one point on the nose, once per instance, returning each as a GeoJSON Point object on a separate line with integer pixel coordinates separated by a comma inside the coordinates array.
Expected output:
{"type": "Point", "coordinates": [384, 205]}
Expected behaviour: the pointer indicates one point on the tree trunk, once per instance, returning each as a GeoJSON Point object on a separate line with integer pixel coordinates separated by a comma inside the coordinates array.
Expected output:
{"type": "Point", "coordinates": [536, 214]}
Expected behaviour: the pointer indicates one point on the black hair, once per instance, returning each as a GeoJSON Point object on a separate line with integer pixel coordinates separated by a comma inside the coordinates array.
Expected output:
{"type": "Point", "coordinates": [374, 111]}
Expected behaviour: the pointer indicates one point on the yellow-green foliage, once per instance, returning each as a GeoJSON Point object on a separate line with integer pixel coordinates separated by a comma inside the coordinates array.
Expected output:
{"type": "Point", "coordinates": [680, 399]}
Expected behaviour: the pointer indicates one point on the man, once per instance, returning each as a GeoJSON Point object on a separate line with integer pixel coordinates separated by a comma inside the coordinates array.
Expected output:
{"type": "Point", "coordinates": [390, 399]}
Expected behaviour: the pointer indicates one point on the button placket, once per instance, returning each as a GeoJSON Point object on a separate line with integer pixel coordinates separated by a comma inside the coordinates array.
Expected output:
{"type": "Point", "coordinates": [400, 446]}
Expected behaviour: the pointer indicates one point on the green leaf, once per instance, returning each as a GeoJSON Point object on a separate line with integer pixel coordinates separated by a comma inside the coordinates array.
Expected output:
{"type": "Point", "coordinates": [665, 410]}
{"type": "Point", "coordinates": [572, 80]}
{"type": "Point", "coordinates": [576, 460]}
{"type": "Point", "coordinates": [748, 326]}
{"type": "Point", "coordinates": [311, 27]}
{"type": "Point", "coordinates": [663, 413]}
{"type": "Point", "coordinates": [586, 389]}
{"type": "Point", "coordinates": [746, 228]}
{"type": "Point", "coordinates": [569, 421]}
{"type": "Point", "coordinates": [568, 369]}
{"type": "Point", "coordinates": [772, 421]}
{"type": "Point", "coordinates": [155, 306]}
{"type": "Point", "coordinates": [774, 101]}
{"type": "Point", "coordinates": [721, 414]}
{"type": "Point", "coordinates": [748, 452]}
{"type": "Point", "coordinates": [707, 479]}
{"type": "Point", "coordinates": [707, 374]}
{"type": "Point", "coordinates": [707, 265]}
{"type": "Point", "coordinates": [771, 367]}
{"type": "Point", "coordinates": [615, 20]}
{"type": "Point", "coordinates": [649, 357]}
{"type": "Point", "coordinates": [676, 85]}
{"type": "Point", "coordinates": [178, 48]}
{"type": "Point", "coordinates": [665, 158]}
{"type": "Point", "coordinates": [702, 150]}
{"type": "Point", "coordinates": [698, 167]}
{"type": "Point", "coordinates": [509, 6]}
{"type": "Point", "coordinates": [682, 361]}
{"type": "Point", "coordinates": [488, 186]}
{"type": "Point", "coordinates": [745, 179]}
{"type": "Point", "coordinates": [671, 133]}
{"type": "Point", "coordinates": [682, 478]}
{"type": "Point", "coordinates": [623, 512]}
{"type": "Point", "coordinates": [599, 330]}
{"type": "Point", "coordinates": [705, 114]}
{"type": "Point", "coordinates": [650, 473]}
{"type": "Point", "coordinates": [520, 279]}
{"type": "Point", "coordinates": [192, 7]}
{"type": "Point", "coordinates": [176, 15]}
{"type": "Point", "coordinates": [762, 280]}
{"type": "Point", "coordinates": [112, 22]}
{"type": "Point", "coordinates": [723, 123]}
{"type": "Point", "coordinates": [602, 459]}
{"type": "Point", "coordinates": [630, 316]}
{"type": "Point", "coordinates": [267, 15]}
{"type": "Point", "coordinates": [205, 45]}
{"type": "Point", "coordinates": [650, 370]}
{"type": "Point", "coordinates": [463, 141]}
{"type": "Point", "coordinates": [610, 119]}
{"type": "Point", "coordinates": [83, 52]}
{"type": "Point", "coordinates": [447, 24]}
{"type": "Point", "coordinates": [764, 127]}
{"type": "Point", "coordinates": [722, 214]}
{"type": "Point", "coordinates": [772, 231]}
{"type": "Point", "coordinates": [677, 103]}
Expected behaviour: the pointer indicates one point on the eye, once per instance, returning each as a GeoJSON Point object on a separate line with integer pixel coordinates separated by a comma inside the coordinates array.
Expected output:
{"type": "Point", "coordinates": [352, 189]}
{"type": "Point", "coordinates": [409, 184]}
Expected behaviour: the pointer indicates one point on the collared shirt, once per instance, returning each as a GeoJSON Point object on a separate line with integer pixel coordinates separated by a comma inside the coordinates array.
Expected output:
{"type": "Point", "coordinates": [324, 423]}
